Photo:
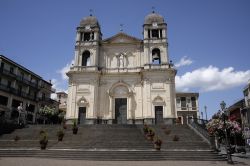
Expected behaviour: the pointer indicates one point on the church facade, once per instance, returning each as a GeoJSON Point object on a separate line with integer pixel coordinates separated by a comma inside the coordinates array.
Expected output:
{"type": "Point", "coordinates": [122, 79]}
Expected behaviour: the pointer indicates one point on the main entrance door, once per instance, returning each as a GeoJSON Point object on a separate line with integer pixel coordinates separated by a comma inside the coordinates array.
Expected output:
{"type": "Point", "coordinates": [81, 115]}
{"type": "Point", "coordinates": [158, 114]}
{"type": "Point", "coordinates": [121, 110]}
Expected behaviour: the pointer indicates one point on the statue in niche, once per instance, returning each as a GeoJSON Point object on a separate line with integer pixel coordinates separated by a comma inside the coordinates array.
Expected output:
{"type": "Point", "coordinates": [121, 60]}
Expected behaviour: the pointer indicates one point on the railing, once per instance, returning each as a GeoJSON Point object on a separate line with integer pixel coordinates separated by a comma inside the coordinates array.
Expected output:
{"type": "Point", "coordinates": [121, 70]}
{"type": "Point", "coordinates": [200, 130]}
{"type": "Point", "coordinates": [158, 66]}
{"type": "Point", "coordinates": [8, 72]}
{"type": "Point", "coordinates": [187, 108]}
{"type": "Point", "coordinates": [84, 68]}
{"type": "Point", "coordinates": [44, 99]}
{"type": "Point", "coordinates": [16, 92]}
{"type": "Point", "coordinates": [18, 78]}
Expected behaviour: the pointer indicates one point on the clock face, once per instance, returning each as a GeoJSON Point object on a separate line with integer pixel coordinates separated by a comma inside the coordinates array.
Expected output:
{"type": "Point", "coordinates": [154, 24]}
{"type": "Point", "coordinates": [87, 27]}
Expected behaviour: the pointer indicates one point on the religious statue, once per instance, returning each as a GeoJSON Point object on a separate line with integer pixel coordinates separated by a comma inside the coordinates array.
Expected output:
{"type": "Point", "coordinates": [121, 58]}
{"type": "Point", "coordinates": [21, 115]}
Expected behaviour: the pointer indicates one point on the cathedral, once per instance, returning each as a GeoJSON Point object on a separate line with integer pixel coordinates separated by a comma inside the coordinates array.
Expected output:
{"type": "Point", "coordinates": [123, 79]}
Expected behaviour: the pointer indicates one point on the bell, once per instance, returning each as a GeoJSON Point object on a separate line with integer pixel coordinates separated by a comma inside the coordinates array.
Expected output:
{"type": "Point", "coordinates": [155, 56]}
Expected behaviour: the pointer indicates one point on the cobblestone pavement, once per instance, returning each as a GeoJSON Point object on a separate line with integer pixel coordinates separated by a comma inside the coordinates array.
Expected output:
{"type": "Point", "coordinates": [57, 162]}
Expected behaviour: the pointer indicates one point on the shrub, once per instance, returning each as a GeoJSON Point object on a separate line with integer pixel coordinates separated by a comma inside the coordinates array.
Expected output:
{"type": "Point", "coordinates": [60, 135]}
{"type": "Point", "coordinates": [158, 141]}
{"type": "Point", "coordinates": [43, 139]}
{"type": "Point", "coordinates": [145, 129]}
{"type": "Point", "coordinates": [74, 127]}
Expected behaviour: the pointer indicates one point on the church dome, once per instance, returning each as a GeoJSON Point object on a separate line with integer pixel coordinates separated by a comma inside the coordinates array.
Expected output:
{"type": "Point", "coordinates": [153, 17]}
{"type": "Point", "coordinates": [89, 20]}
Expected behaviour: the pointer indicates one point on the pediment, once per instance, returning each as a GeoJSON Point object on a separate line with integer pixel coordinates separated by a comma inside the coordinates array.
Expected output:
{"type": "Point", "coordinates": [122, 38]}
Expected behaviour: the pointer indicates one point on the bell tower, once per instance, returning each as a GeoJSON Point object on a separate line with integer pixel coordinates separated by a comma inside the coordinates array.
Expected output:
{"type": "Point", "coordinates": [88, 37]}
{"type": "Point", "coordinates": [155, 40]}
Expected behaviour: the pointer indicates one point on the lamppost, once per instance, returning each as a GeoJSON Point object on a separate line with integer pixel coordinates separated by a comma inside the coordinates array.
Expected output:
{"type": "Point", "coordinates": [224, 117]}
{"type": "Point", "coordinates": [205, 110]}
{"type": "Point", "coordinates": [188, 113]}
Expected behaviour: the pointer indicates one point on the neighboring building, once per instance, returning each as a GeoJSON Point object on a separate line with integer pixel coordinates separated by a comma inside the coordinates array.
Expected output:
{"type": "Point", "coordinates": [122, 79]}
{"type": "Point", "coordinates": [62, 97]}
{"type": "Point", "coordinates": [235, 111]}
{"type": "Point", "coordinates": [246, 110]}
{"type": "Point", "coordinates": [20, 85]}
{"type": "Point", "coordinates": [187, 106]}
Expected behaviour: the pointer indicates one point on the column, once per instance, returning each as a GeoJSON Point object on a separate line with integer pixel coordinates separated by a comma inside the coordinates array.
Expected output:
{"type": "Point", "coordinates": [78, 37]}
{"type": "Point", "coordinates": [110, 106]}
{"type": "Point", "coordinates": [129, 107]}
{"type": "Point", "coordinates": [164, 33]}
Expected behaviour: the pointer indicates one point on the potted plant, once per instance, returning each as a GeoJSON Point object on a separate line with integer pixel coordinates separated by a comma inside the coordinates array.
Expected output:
{"type": "Point", "coordinates": [43, 139]}
{"type": "Point", "coordinates": [145, 129]}
{"type": "Point", "coordinates": [16, 138]}
{"type": "Point", "coordinates": [157, 143]}
{"type": "Point", "coordinates": [150, 134]}
{"type": "Point", "coordinates": [74, 127]}
{"type": "Point", "coordinates": [60, 135]}
{"type": "Point", "coordinates": [176, 138]}
{"type": "Point", "coordinates": [64, 124]}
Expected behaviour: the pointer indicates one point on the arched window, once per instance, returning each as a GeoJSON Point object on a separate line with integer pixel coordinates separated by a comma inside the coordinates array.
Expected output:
{"type": "Point", "coordinates": [156, 56]}
{"type": "Point", "coordinates": [86, 58]}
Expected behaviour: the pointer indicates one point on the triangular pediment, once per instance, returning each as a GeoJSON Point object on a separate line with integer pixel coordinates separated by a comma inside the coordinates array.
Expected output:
{"type": "Point", "coordinates": [122, 38]}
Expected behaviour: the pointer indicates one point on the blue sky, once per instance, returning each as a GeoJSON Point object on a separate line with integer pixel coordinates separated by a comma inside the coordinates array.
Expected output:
{"type": "Point", "coordinates": [212, 37]}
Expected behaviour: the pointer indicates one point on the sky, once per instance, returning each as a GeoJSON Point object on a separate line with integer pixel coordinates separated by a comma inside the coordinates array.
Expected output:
{"type": "Point", "coordinates": [209, 40]}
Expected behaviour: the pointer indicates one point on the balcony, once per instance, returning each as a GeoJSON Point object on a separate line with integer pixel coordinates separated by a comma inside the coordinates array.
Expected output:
{"type": "Point", "coordinates": [158, 66]}
{"type": "Point", "coordinates": [187, 108]}
{"type": "Point", "coordinates": [14, 91]}
{"type": "Point", "coordinates": [27, 82]}
{"type": "Point", "coordinates": [44, 99]}
{"type": "Point", "coordinates": [121, 70]}
{"type": "Point", "coordinates": [7, 73]}
{"type": "Point", "coordinates": [83, 68]}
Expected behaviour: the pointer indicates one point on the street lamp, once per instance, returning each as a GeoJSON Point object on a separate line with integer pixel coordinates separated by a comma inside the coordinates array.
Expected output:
{"type": "Point", "coordinates": [188, 113]}
{"type": "Point", "coordinates": [224, 117]}
{"type": "Point", "coordinates": [205, 110]}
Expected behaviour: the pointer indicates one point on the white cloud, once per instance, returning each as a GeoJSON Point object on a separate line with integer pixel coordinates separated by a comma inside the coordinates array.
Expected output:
{"type": "Point", "coordinates": [56, 85]}
{"type": "Point", "coordinates": [211, 79]}
{"type": "Point", "coordinates": [65, 69]}
{"type": "Point", "coordinates": [185, 61]}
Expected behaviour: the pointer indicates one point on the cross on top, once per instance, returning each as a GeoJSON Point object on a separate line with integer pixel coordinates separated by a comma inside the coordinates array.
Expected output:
{"type": "Point", "coordinates": [91, 12]}
{"type": "Point", "coordinates": [153, 9]}
{"type": "Point", "coordinates": [121, 27]}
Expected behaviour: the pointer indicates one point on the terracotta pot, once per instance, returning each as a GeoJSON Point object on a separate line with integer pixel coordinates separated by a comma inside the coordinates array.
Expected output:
{"type": "Point", "coordinates": [43, 146]}
{"type": "Point", "coordinates": [60, 138]}
{"type": "Point", "coordinates": [157, 147]}
{"type": "Point", "coordinates": [75, 130]}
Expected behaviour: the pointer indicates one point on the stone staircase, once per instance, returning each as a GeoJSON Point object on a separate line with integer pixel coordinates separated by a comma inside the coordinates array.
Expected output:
{"type": "Point", "coordinates": [188, 139]}
{"type": "Point", "coordinates": [106, 142]}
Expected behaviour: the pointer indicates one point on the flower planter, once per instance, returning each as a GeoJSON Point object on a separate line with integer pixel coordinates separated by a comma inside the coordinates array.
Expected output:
{"type": "Point", "coordinates": [157, 147]}
{"type": "Point", "coordinates": [75, 130]}
{"type": "Point", "coordinates": [150, 137]}
{"type": "Point", "coordinates": [60, 138]}
{"type": "Point", "coordinates": [43, 146]}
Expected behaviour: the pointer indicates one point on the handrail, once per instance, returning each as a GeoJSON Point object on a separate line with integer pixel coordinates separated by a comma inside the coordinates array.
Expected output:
{"type": "Point", "coordinates": [199, 130]}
